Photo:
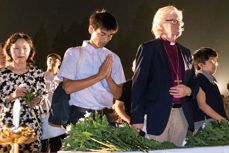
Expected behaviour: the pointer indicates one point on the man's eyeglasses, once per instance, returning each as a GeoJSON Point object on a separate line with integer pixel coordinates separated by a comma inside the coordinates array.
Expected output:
{"type": "Point", "coordinates": [175, 22]}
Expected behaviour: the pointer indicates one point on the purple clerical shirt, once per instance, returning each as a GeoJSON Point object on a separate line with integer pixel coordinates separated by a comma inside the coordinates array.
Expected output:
{"type": "Point", "coordinates": [172, 51]}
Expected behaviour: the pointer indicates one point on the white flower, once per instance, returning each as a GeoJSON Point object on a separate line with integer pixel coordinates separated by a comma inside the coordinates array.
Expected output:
{"type": "Point", "coordinates": [81, 119]}
{"type": "Point", "coordinates": [68, 128]}
{"type": "Point", "coordinates": [87, 114]}
{"type": "Point", "coordinates": [203, 126]}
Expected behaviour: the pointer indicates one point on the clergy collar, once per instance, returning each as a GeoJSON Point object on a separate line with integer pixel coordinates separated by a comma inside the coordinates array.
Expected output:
{"type": "Point", "coordinates": [166, 41]}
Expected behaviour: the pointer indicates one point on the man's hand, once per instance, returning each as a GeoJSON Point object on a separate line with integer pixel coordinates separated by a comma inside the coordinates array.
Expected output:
{"type": "Point", "coordinates": [138, 127]}
{"type": "Point", "coordinates": [110, 66]}
{"type": "Point", "coordinates": [180, 91]}
{"type": "Point", "coordinates": [106, 68]}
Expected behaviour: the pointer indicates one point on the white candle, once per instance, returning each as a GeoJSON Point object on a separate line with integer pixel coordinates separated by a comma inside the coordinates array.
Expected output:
{"type": "Point", "coordinates": [16, 113]}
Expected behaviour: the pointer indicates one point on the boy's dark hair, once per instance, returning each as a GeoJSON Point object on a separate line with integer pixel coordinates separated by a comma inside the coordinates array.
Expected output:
{"type": "Point", "coordinates": [202, 55]}
{"type": "Point", "coordinates": [104, 20]}
{"type": "Point", "coordinates": [54, 55]}
{"type": "Point", "coordinates": [227, 86]}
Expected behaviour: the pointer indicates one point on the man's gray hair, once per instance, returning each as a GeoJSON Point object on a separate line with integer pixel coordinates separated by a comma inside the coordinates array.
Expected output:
{"type": "Point", "coordinates": [161, 15]}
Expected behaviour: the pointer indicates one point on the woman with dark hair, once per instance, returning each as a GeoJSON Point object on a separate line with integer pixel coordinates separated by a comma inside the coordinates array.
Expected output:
{"type": "Point", "coordinates": [18, 37]}
{"type": "Point", "coordinates": [2, 57]}
{"type": "Point", "coordinates": [17, 79]}
{"type": "Point", "coordinates": [2, 62]}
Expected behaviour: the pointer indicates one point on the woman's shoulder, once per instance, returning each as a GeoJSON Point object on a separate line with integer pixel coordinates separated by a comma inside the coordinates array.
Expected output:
{"type": "Point", "coordinates": [35, 69]}
{"type": "Point", "coordinates": [4, 70]}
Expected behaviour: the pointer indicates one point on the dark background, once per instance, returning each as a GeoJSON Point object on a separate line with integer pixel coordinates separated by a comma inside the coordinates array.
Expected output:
{"type": "Point", "coordinates": [56, 25]}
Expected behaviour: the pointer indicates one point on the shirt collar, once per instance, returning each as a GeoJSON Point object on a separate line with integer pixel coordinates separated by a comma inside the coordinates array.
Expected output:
{"type": "Point", "coordinates": [165, 41]}
{"type": "Point", "coordinates": [210, 77]}
{"type": "Point", "coordinates": [89, 48]}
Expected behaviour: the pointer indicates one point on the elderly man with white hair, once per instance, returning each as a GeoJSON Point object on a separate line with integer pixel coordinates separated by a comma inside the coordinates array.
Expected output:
{"type": "Point", "coordinates": [164, 81]}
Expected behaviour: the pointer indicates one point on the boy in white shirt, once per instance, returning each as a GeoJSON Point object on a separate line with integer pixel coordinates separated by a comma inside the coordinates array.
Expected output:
{"type": "Point", "coordinates": [92, 74]}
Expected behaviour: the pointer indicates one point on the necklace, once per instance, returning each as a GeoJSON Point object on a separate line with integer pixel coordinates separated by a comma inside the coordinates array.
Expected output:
{"type": "Point", "coordinates": [175, 69]}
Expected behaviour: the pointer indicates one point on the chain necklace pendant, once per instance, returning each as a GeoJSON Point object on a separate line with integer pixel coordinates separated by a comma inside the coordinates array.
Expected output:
{"type": "Point", "coordinates": [178, 81]}
{"type": "Point", "coordinates": [175, 69]}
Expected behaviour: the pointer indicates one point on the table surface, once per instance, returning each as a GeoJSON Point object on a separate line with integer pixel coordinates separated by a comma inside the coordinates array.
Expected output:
{"type": "Point", "coordinates": [218, 149]}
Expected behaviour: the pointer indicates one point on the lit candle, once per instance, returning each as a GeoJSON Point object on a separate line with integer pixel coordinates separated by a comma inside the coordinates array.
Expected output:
{"type": "Point", "coordinates": [16, 113]}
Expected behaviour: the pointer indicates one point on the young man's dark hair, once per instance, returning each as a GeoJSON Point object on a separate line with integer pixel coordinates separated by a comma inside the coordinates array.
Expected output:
{"type": "Point", "coordinates": [98, 79]}
{"type": "Point", "coordinates": [202, 55]}
{"type": "Point", "coordinates": [54, 55]}
{"type": "Point", "coordinates": [104, 20]}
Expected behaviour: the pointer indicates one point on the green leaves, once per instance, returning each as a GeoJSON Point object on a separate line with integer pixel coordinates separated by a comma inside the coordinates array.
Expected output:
{"type": "Point", "coordinates": [94, 134]}
{"type": "Point", "coordinates": [28, 97]}
{"type": "Point", "coordinates": [213, 134]}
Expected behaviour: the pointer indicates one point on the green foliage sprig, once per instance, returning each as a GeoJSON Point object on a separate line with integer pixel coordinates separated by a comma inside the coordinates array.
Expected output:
{"type": "Point", "coordinates": [28, 98]}
{"type": "Point", "coordinates": [95, 134]}
{"type": "Point", "coordinates": [213, 134]}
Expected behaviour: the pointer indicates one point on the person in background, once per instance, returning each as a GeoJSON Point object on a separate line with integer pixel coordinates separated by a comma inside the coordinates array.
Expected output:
{"type": "Point", "coordinates": [164, 81]}
{"type": "Point", "coordinates": [91, 73]}
{"type": "Point", "coordinates": [19, 78]}
{"type": "Point", "coordinates": [226, 102]}
{"type": "Point", "coordinates": [51, 135]}
{"type": "Point", "coordinates": [209, 105]}
{"type": "Point", "coordinates": [2, 62]}
{"type": "Point", "coordinates": [123, 104]}
{"type": "Point", "coordinates": [2, 57]}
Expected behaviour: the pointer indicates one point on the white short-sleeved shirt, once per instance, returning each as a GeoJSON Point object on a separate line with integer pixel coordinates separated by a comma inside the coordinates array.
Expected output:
{"type": "Point", "coordinates": [83, 62]}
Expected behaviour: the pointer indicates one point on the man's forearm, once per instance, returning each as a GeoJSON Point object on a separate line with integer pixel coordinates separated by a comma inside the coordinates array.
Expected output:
{"type": "Point", "coordinates": [115, 89]}
{"type": "Point", "coordinates": [71, 86]}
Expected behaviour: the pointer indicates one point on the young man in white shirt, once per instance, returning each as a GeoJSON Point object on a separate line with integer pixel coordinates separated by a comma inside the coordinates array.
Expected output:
{"type": "Point", "coordinates": [92, 74]}
{"type": "Point", "coordinates": [51, 135]}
